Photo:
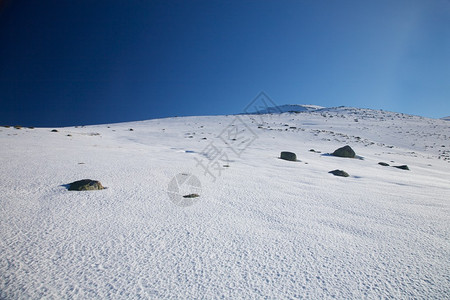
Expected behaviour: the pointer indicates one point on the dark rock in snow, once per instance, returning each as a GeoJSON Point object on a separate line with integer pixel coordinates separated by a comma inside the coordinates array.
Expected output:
{"type": "Point", "coordinates": [312, 150]}
{"type": "Point", "coordinates": [54, 130]}
{"type": "Point", "coordinates": [383, 164]}
{"type": "Point", "coordinates": [191, 196]}
{"type": "Point", "coordinates": [85, 185]}
{"type": "Point", "coordinates": [403, 167]}
{"type": "Point", "coordinates": [288, 156]}
{"type": "Point", "coordinates": [339, 173]}
{"type": "Point", "coordinates": [345, 151]}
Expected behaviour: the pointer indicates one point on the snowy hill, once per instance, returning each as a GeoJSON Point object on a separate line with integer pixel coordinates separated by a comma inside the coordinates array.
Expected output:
{"type": "Point", "coordinates": [262, 227]}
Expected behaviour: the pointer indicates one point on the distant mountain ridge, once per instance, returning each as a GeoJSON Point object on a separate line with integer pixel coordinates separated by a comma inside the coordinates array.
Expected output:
{"type": "Point", "coordinates": [298, 108]}
{"type": "Point", "coordinates": [289, 108]}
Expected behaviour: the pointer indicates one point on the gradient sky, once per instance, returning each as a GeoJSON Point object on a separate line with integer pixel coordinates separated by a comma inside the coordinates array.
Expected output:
{"type": "Point", "coordinates": [92, 61]}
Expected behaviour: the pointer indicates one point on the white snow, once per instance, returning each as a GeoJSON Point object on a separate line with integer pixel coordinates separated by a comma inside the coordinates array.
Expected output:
{"type": "Point", "coordinates": [264, 228]}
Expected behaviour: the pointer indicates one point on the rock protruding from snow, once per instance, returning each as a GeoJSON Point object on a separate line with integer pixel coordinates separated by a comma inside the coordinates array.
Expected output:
{"type": "Point", "coordinates": [383, 164]}
{"type": "Point", "coordinates": [402, 167]}
{"type": "Point", "coordinates": [345, 151]}
{"type": "Point", "coordinates": [286, 155]}
{"type": "Point", "coordinates": [339, 173]}
{"type": "Point", "coordinates": [85, 185]}
{"type": "Point", "coordinates": [191, 196]}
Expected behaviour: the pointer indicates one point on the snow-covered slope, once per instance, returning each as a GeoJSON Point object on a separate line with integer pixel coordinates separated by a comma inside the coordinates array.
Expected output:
{"type": "Point", "coordinates": [262, 227]}
{"type": "Point", "coordinates": [446, 118]}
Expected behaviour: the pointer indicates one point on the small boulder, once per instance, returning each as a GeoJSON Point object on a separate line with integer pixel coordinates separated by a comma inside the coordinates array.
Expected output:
{"type": "Point", "coordinates": [54, 130]}
{"type": "Point", "coordinates": [288, 156]}
{"type": "Point", "coordinates": [383, 164]}
{"type": "Point", "coordinates": [85, 185]}
{"type": "Point", "coordinates": [339, 173]}
{"type": "Point", "coordinates": [345, 151]}
{"type": "Point", "coordinates": [403, 167]}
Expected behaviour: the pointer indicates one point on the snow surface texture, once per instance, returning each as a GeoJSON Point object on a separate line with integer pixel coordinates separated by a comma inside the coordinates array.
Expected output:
{"type": "Point", "coordinates": [263, 228]}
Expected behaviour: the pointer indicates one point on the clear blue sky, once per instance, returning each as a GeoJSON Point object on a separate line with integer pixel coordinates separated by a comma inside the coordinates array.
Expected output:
{"type": "Point", "coordinates": [93, 61]}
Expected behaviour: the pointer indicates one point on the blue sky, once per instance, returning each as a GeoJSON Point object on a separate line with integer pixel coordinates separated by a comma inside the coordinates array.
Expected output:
{"type": "Point", "coordinates": [88, 62]}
